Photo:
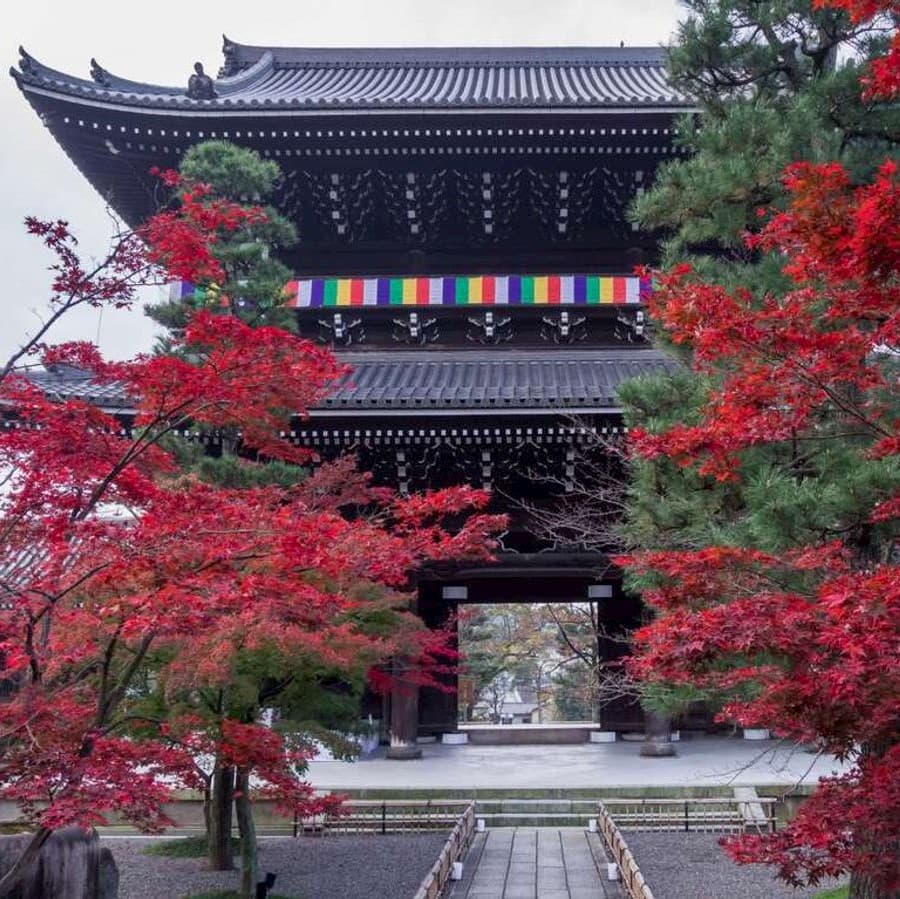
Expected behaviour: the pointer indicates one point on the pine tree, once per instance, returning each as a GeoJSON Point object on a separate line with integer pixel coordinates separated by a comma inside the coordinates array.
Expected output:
{"type": "Point", "coordinates": [254, 278]}
{"type": "Point", "coordinates": [775, 82]}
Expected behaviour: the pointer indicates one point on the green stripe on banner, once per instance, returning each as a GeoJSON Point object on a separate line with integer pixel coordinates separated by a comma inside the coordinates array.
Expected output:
{"type": "Point", "coordinates": [329, 296]}
{"type": "Point", "coordinates": [527, 290]}
{"type": "Point", "coordinates": [396, 292]}
{"type": "Point", "coordinates": [462, 291]}
{"type": "Point", "coordinates": [593, 289]}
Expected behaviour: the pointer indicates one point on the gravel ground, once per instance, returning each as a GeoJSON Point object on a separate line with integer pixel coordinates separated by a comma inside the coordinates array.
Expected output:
{"type": "Point", "coordinates": [694, 866]}
{"type": "Point", "coordinates": [334, 867]}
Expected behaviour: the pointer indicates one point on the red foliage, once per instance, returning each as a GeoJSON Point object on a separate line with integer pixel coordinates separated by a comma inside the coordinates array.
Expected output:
{"type": "Point", "coordinates": [108, 553]}
{"type": "Point", "coordinates": [181, 239]}
{"type": "Point", "coordinates": [808, 642]}
{"type": "Point", "coordinates": [785, 361]}
{"type": "Point", "coordinates": [883, 81]}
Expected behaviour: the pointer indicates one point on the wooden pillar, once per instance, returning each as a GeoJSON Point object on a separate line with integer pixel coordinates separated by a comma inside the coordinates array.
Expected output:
{"type": "Point", "coordinates": [438, 708]}
{"type": "Point", "coordinates": [658, 733]}
{"type": "Point", "coordinates": [404, 716]}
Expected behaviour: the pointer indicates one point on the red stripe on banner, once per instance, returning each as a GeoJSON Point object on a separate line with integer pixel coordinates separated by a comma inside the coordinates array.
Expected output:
{"type": "Point", "coordinates": [488, 290]}
{"type": "Point", "coordinates": [356, 292]}
{"type": "Point", "coordinates": [553, 289]}
{"type": "Point", "coordinates": [292, 295]}
{"type": "Point", "coordinates": [421, 291]}
{"type": "Point", "coordinates": [619, 295]}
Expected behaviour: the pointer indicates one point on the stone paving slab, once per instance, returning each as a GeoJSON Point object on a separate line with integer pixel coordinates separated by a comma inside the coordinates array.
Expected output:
{"type": "Point", "coordinates": [703, 762]}
{"type": "Point", "coordinates": [535, 863]}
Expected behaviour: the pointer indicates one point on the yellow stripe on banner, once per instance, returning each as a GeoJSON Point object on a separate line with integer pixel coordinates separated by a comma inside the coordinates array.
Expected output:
{"type": "Point", "coordinates": [409, 291]}
{"type": "Point", "coordinates": [476, 286]}
{"type": "Point", "coordinates": [343, 292]}
{"type": "Point", "coordinates": [540, 289]}
{"type": "Point", "coordinates": [606, 290]}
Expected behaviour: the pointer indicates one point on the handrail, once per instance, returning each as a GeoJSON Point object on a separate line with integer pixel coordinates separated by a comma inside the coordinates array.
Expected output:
{"type": "Point", "coordinates": [716, 814]}
{"type": "Point", "coordinates": [458, 842]}
{"type": "Point", "coordinates": [629, 872]}
{"type": "Point", "coordinates": [385, 816]}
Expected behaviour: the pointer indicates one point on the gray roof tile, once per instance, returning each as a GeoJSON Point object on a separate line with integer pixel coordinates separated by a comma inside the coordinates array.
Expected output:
{"type": "Point", "coordinates": [434, 380]}
{"type": "Point", "coordinates": [415, 78]}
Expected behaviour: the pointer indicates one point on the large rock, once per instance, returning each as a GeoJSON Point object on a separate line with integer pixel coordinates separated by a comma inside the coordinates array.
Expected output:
{"type": "Point", "coordinates": [71, 866]}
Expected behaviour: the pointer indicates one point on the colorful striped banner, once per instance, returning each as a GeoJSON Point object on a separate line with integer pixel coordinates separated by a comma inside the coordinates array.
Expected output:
{"type": "Point", "coordinates": [457, 290]}
{"type": "Point", "coordinates": [476, 290]}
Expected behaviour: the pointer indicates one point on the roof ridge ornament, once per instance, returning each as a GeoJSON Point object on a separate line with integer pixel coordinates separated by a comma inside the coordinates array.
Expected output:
{"type": "Point", "coordinates": [99, 74]}
{"type": "Point", "coordinates": [230, 66]}
{"type": "Point", "coordinates": [26, 62]}
{"type": "Point", "coordinates": [200, 85]}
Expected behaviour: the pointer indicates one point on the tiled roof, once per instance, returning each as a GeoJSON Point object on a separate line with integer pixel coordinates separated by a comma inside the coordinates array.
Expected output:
{"type": "Point", "coordinates": [495, 379]}
{"type": "Point", "coordinates": [418, 78]}
{"type": "Point", "coordinates": [65, 382]}
{"type": "Point", "coordinates": [432, 380]}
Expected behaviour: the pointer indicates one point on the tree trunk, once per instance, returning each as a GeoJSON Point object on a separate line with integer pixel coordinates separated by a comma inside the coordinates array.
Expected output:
{"type": "Point", "coordinates": [19, 871]}
{"type": "Point", "coordinates": [218, 819]}
{"type": "Point", "coordinates": [862, 887]}
{"type": "Point", "coordinates": [247, 830]}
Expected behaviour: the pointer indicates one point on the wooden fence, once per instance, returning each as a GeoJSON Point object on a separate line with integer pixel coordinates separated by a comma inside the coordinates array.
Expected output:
{"type": "Point", "coordinates": [387, 816]}
{"type": "Point", "coordinates": [719, 815]}
{"type": "Point", "coordinates": [629, 872]}
{"type": "Point", "coordinates": [460, 838]}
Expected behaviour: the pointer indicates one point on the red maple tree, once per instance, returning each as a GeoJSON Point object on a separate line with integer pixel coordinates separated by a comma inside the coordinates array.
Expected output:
{"type": "Point", "coordinates": [109, 552]}
{"type": "Point", "coordinates": [805, 641]}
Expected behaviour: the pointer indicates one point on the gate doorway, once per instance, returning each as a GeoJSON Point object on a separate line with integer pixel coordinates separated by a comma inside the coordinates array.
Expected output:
{"type": "Point", "coordinates": [541, 649]}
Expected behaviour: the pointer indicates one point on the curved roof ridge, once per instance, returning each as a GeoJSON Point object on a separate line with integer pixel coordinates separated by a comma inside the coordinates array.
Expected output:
{"type": "Point", "coordinates": [394, 78]}
{"type": "Point", "coordinates": [238, 56]}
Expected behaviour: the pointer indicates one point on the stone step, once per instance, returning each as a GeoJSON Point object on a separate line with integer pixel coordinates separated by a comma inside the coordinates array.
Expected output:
{"type": "Point", "coordinates": [506, 819]}
{"type": "Point", "coordinates": [536, 806]}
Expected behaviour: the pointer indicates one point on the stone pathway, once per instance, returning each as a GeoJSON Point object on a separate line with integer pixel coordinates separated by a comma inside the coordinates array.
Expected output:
{"type": "Point", "coordinates": [535, 863]}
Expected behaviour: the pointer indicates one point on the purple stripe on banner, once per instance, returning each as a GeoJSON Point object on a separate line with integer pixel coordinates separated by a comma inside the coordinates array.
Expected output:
{"type": "Point", "coordinates": [580, 289]}
{"type": "Point", "coordinates": [515, 290]}
{"type": "Point", "coordinates": [646, 288]}
{"type": "Point", "coordinates": [316, 292]}
{"type": "Point", "coordinates": [448, 293]}
{"type": "Point", "coordinates": [187, 289]}
{"type": "Point", "coordinates": [384, 291]}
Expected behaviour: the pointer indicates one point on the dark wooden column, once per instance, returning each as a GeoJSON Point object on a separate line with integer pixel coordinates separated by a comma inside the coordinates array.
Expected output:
{"type": "Point", "coordinates": [404, 715]}
{"type": "Point", "coordinates": [658, 733]}
{"type": "Point", "coordinates": [617, 615]}
{"type": "Point", "coordinates": [439, 708]}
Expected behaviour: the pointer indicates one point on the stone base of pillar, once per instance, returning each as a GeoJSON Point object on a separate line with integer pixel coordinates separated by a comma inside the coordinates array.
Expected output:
{"type": "Point", "coordinates": [603, 736]}
{"type": "Point", "coordinates": [403, 752]}
{"type": "Point", "coordinates": [455, 738]}
{"type": "Point", "coordinates": [657, 749]}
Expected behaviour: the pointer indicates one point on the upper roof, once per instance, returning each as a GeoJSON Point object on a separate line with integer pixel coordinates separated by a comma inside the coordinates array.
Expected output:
{"type": "Point", "coordinates": [404, 78]}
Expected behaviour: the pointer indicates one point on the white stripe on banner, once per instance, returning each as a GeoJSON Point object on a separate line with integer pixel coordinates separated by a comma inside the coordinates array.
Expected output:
{"type": "Point", "coordinates": [435, 291]}
{"type": "Point", "coordinates": [304, 293]}
{"type": "Point", "coordinates": [567, 289]}
{"type": "Point", "coordinates": [501, 290]}
{"type": "Point", "coordinates": [370, 292]}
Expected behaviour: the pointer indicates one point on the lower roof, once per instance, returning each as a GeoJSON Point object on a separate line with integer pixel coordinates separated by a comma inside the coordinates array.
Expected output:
{"type": "Point", "coordinates": [434, 382]}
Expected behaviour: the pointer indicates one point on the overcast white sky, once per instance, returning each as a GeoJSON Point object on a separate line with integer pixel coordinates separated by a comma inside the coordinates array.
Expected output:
{"type": "Point", "coordinates": [159, 41]}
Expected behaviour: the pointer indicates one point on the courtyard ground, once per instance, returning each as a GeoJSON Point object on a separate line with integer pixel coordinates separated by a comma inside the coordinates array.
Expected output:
{"type": "Point", "coordinates": [701, 762]}
{"type": "Point", "coordinates": [333, 867]}
{"type": "Point", "coordinates": [682, 865]}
